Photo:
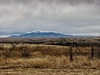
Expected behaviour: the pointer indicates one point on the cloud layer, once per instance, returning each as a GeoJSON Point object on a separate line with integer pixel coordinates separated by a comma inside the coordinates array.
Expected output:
{"type": "Point", "coordinates": [67, 16]}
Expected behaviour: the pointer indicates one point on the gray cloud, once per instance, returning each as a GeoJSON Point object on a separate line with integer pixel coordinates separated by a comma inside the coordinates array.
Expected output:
{"type": "Point", "coordinates": [67, 16]}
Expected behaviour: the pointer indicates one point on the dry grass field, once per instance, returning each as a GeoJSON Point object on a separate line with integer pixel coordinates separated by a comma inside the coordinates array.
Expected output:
{"type": "Point", "coordinates": [39, 59]}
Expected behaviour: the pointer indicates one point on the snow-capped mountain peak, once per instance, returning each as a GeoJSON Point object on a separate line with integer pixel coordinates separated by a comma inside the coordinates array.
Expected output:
{"type": "Point", "coordinates": [40, 31]}
{"type": "Point", "coordinates": [42, 34]}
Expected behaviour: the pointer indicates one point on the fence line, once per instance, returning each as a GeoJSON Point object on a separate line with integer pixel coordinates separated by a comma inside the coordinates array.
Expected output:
{"type": "Point", "coordinates": [94, 51]}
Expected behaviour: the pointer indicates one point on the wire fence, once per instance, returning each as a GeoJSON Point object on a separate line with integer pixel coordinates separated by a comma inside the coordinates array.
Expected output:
{"type": "Point", "coordinates": [93, 52]}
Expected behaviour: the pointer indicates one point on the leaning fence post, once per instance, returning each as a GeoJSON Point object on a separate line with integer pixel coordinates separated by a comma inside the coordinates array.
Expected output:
{"type": "Point", "coordinates": [92, 52]}
{"type": "Point", "coordinates": [71, 54]}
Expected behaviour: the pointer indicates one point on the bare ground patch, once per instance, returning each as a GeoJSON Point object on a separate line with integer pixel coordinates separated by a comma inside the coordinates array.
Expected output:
{"type": "Point", "coordinates": [49, 71]}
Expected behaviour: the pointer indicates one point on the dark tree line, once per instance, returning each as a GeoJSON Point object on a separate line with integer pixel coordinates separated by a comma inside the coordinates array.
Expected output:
{"type": "Point", "coordinates": [65, 41]}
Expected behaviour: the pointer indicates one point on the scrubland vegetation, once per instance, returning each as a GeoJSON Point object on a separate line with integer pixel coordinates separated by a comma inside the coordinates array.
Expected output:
{"type": "Point", "coordinates": [64, 41]}
{"type": "Point", "coordinates": [40, 56]}
{"type": "Point", "coordinates": [45, 56]}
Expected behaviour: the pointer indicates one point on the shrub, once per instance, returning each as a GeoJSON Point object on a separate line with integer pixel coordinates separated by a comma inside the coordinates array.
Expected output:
{"type": "Point", "coordinates": [26, 53]}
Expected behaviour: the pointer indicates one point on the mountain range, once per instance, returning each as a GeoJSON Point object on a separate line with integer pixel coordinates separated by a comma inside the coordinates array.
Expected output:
{"type": "Point", "coordinates": [47, 34]}
{"type": "Point", "coordinates": [41, 34]}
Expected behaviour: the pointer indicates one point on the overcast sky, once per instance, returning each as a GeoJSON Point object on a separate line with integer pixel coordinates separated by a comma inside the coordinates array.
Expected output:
{"type": "Point", "coordinates": [66, 16]}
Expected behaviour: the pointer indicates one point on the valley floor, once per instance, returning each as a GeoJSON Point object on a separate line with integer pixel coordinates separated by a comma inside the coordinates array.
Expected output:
{"type": "Point", "coordinates": [49, 71]}
{"type": "Point", "coordinates": [32, 59]}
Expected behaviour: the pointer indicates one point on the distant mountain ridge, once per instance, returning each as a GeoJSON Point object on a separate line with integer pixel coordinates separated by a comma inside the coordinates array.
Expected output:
{"type": "Point", "coordinates": [47, 34]}
{"type": "Point", "coordinates": [41, 34]}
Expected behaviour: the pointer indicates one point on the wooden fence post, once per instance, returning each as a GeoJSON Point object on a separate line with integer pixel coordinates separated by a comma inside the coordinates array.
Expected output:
{"type": "Point", "coordinates": [75, 53]}
{"type": "Point", "coordinates": [71, 54]}
{"type": "Point", "coordinates": [92, 52]}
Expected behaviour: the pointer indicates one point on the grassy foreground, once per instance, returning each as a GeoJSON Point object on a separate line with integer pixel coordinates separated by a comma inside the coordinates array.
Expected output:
{"type": "Point", "coordinates": [47, 58]}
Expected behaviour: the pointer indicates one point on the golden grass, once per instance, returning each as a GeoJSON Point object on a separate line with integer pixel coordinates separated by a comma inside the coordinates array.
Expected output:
{"type": "Point", "coordinates": [44, 56]}
{"type": "Point", "coordinates": [51, 62]}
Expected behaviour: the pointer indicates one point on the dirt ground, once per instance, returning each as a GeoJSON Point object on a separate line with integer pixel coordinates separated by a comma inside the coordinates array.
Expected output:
{"type": "Point", "coordinates": [49, 72]}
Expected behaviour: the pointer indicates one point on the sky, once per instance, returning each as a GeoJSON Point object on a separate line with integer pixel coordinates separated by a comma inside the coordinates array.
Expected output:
{"type": "Point", "coordinates": [65, 16]}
